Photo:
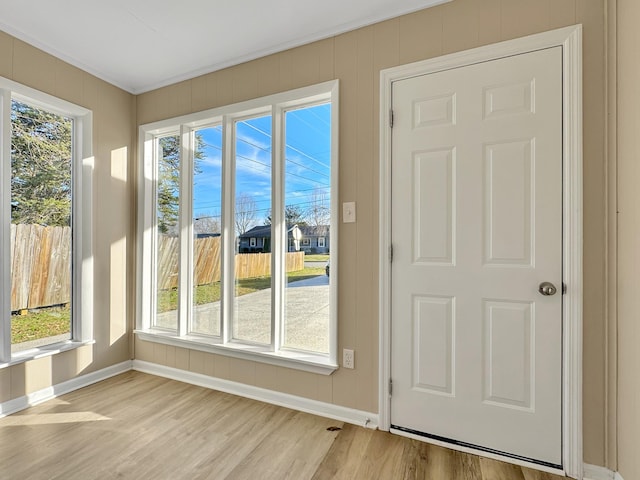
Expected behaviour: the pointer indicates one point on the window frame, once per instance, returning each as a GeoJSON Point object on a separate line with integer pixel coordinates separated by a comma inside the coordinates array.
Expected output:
{"type": "Point", "coordinates": [321, 242]}
{"type": "Point", "coordinates": [275, 105]}
{"type": "Point", "coordinates": [82, 205]}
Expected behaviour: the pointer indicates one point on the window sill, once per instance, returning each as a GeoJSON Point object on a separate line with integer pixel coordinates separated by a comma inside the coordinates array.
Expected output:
{"type": "Point", "coordinates": [305, 361]}
{"type": "Point", "coordinates": [45, 351]}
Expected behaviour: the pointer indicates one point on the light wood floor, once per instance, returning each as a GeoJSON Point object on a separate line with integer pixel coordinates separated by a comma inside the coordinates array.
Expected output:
{"type": "Point", "coordinates": [137, 426]}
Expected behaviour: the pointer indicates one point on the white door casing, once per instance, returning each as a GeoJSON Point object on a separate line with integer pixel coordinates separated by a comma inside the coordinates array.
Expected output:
{"type": "Point", "coordinates": [481, 292]}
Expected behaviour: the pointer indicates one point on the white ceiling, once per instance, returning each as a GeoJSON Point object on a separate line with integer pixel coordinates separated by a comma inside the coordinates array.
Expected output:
{"type": "Point", "coordinates": [140, 45]}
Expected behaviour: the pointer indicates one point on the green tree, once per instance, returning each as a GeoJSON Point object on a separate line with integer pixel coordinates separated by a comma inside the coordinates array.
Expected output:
{"type": "Point", "coordinates": [168, 193]}
{"type": "Point", "coordinates": [40, 166]}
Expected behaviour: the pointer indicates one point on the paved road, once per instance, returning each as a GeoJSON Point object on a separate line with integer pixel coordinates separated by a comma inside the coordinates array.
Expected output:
{"type": "Point", "coordinates": [315, 264]}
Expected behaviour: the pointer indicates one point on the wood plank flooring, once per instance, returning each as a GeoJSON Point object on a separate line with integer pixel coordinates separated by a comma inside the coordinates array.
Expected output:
{"type": "Point", "coordinates": [138, 426]}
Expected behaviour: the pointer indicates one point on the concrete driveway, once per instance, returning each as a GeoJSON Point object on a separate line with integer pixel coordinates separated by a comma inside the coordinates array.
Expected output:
{"type": "Point", "coordinates": [306, 316]}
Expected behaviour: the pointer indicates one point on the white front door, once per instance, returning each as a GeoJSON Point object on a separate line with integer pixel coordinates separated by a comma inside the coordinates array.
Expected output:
{"type": "Point", "coordinates": [476, 229]}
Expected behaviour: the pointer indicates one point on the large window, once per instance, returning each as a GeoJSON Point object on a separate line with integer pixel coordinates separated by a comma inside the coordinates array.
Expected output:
{"type": "Point", "coordinates": [45, 234]}
{"type": "Point", "coordinates": [232, 198]}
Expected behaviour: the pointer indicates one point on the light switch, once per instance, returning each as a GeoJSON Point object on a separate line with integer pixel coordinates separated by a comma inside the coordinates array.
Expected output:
{"type": "Point", "coordinates": [349, 212]}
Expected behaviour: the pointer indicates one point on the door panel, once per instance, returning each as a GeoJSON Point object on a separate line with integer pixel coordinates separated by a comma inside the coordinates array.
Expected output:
{"type": "Point", "coordinates": [434, 201]}
{"type": "Point", "coordinates": [433, 336]}
{"type": "Point", "coordinates": [507, 203]}
{"type": "Point", "coordinates": [508, 376]}
{"type": "Point", "coordinates": [476, 227]}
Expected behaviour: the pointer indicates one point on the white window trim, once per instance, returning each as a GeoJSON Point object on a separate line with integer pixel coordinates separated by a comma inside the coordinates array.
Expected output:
{"type": "Point", "coordinates": [321, 242]}
{"type": "Point", "coordinates": [275, 105]}
{"type": "Point", "coordinates": [252, 242]}
{"type": "Point", "coordinates": [82, 255]}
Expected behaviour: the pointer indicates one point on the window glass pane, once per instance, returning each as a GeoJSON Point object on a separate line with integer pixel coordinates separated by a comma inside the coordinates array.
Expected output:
{"type": "Point", "coordinates": [41, 197]}
{"type": "Point", "coordinates": [252, 305]}
{"type": "Point", "coordinates": [168, 242]}
{"type": "Point", "coordinates": [207, 208]}
{"type": "Point", "coordinates": [308, 216]}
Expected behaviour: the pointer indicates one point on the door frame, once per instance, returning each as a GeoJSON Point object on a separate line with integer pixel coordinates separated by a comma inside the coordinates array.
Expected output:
{"type": "Point", "coordinates": [570, 39]}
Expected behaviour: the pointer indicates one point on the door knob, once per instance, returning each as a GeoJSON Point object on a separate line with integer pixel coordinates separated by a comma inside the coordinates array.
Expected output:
{"type": "Point", "coordinates": [547, 289]}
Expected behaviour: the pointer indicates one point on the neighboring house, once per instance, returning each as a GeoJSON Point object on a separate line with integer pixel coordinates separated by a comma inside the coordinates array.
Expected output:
{"type": "Point", "coordinates": [312, 240]}
{"type": "Point", "coordinates": [256, 240]}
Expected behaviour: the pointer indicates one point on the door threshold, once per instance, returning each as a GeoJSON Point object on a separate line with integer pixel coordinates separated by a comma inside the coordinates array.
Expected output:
{"type": "Point", "coordinates": [478, 450]}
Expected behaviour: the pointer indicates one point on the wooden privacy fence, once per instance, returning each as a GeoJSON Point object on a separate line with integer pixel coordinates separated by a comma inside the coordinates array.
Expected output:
{"type": "Point", "coordinates": [40, 266]}
{"type": "Point", "coordinates": [206, 261]}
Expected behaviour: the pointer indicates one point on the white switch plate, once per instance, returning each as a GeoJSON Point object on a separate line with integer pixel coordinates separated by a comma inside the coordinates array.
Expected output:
{"type": "Point", "coordinates": [349, 212]}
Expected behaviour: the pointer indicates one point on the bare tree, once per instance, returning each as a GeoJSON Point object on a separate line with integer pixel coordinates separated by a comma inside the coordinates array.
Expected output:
{"type": "Point", "coordinates": [207, 223]}
{"type": "Point", "coordinates": [319, 213]}
{"type": "Point", "coordinates": [246, 211]}
{"type": "Point", "coordinates": [293, 215]}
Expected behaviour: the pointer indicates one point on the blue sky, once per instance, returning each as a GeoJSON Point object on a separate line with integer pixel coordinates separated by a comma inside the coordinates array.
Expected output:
{"type": "Point", "coordinates": [307, 167]}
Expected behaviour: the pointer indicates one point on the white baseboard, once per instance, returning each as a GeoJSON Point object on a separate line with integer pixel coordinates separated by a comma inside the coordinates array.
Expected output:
{"type": "Point", "coordinates": [34, 398]}
{"type": "Point", "coordinates": [343, 414]}
{"type": "Point", "coordinates": [595, 472]}
{"type": "Point", "coordinates": [336, 412]}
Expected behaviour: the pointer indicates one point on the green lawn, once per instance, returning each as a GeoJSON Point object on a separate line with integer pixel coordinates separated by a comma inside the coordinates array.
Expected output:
{"type": "Point", "coordinates": [168, 299]}
{"type": "Point", "coordinates": [316, 258]}
{"type": "Point", "coordinates": [42, 323]}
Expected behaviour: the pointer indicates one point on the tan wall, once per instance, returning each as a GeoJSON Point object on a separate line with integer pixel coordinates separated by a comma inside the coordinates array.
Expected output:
{"type": "Point", "coordinates": [628, 146]}
{"type": "Point", "coordinates": [113, 136]}
{"type": "Point", "coordinates": [356, 59]}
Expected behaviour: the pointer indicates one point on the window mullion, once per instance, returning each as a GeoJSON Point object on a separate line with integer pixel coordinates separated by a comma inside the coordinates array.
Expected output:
{"type": "Point", "coordinates": [279, 229]}
{"type": "Point", "coordinates": [333, 231]}
{"type": "Point", "coordinates": [5, 226]}
{"type": "Point", "coordinates": [155, 232]}
{"type": "Point", "coordinates": [185, 276]}
{"type": "Point", "coordinates": [82, 266]}
{"type": "Point", "coordinates": [228, 232]}
{"type": "Point", "coordinates": [147, 231]}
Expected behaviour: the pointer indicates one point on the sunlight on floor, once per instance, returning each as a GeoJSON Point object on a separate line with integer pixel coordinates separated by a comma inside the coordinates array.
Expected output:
{"type": "Point", "coordinates": [50, 419]}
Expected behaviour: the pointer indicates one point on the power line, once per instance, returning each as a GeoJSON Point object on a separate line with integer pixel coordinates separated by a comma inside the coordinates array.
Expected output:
{"type": "Point", "coordinates": [268, 150]}
{"type": "Point", "coordinates": [267, 209]}
{"type": "Point", "coordinates": [288, 145]}
{"type": "Point", "coordinates": [312, 181]}
{"type": "Point", "coordinates": [293, 192]}
{"type": "Point", "coordinates": [286, 159]}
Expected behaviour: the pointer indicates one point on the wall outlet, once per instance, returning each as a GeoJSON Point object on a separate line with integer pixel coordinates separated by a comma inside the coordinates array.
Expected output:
{"type": "Point", "coordinates": [348, 358]}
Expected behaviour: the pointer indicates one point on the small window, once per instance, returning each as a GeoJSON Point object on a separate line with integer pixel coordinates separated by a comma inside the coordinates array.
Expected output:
{"type": "Point", "coordinates": [44, 214]}
{"type": "Point", "coordinates": [321, 242]}
{"type": "Point", "coordinates": [41, 202]}
{"type": "Point", "coordinates": [252, 242]}
{"type": "Point", "coordinates": [305, 242]}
